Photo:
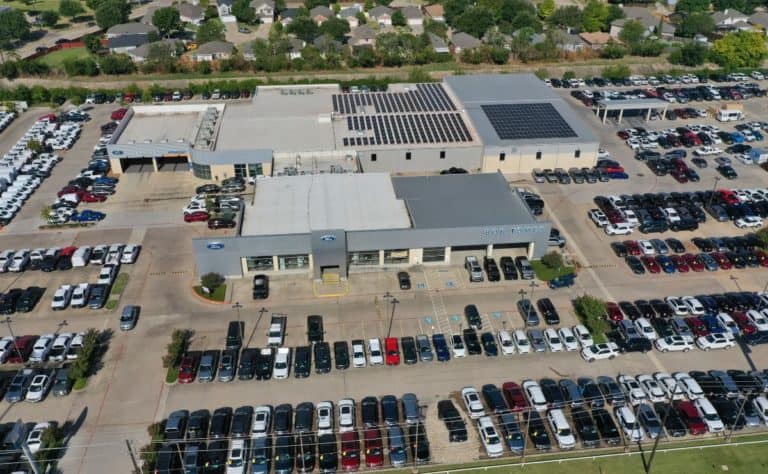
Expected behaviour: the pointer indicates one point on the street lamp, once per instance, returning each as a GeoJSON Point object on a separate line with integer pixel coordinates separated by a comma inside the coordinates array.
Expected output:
{"type": "Point", "coordinates": [533, 286]}
{"type": "Point", "coordinates": [237, 307]}
{"type": "Point", "coordinates": [714, 188]}
{"type": "Point", "coordinates": [392, 317]}
{"type": "Point", "coordinates": [8, 321]}
{"type": "Point", "coordinates": [735, 281]}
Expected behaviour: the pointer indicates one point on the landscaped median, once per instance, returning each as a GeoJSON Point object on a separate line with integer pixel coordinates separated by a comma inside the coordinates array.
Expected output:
{"type": "Point", "coordinates": [117, 290]}
{"type": "Point", "coordinates": [174, 351]}
{"type": "Point", "coordinates": [551, 266]}
{"type": "Point", "coordinates": [211, 288]}
{"type": "Point", "coordinates": [591, 312]}
{"type": "Point", "coordinates": [85, 364]}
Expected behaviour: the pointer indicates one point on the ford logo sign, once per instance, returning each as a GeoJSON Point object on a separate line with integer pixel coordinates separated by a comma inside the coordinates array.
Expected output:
{"type": "Point", "coordinates": [215, 245]}
{"type": "Point", "coordinates": [117, 152]}
{"type": "Point", "coordinates": [328, 238]}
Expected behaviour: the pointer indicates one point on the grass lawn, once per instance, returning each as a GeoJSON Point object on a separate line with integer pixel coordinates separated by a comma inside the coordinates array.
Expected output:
{"type": "Point", "coordinates": [545, 273]}
{"type": "Point", "coordinates": [217, 295]}
{"type": "Point", "coordinates": [172, 374]}
{"type": "Point", "coordinates": [56, 59]}
{"type": "Point", "coordinates": [119, 286]}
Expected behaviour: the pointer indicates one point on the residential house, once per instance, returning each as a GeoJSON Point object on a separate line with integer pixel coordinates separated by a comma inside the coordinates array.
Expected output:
{"type": "Point", "coordinates": [225, 10]}
{"type": "Point", "coordinates": [264, 9]}
{"type": "Point", "coordinates": [436, 12]}
{"type": "Point", "coordinates": [320, 14]}
{"type": "Point", "coordinates": [131, 29]}
{"type": "Point", "coordinates": [760, 21]}
{"type": "Point", "coordinates": [125, 43]}
{"type": "Point", "coordinates": [381, 15]}
{"type": "Point", "coordinates": [142, 52]}
{"type": "Point", "coordinates": [668, 31]}
{"type": "Point", "coordinates": [596, 40]}
{"type": "Point", "coordinates": [349, 14]}
{"type": "Point", "coordinates": [438, 44]}
{"type": "Point", "coordinates": [413, 15]}
{"type": "Point", "coordinates": [295, 46]}
{"type": "Point", "coordinates": [287, 15]}
{"type": "Point", "coordinates": [731, 20]}
{"type": "Point", "coordinates": [212, 51]}
{"type": "Point", "coordinates": [325, 43]}
{"type": "Point", "coordinates": [569, 42]}
{"type": "Point", "coordinates": [362, 36]}
{"type": "Point", "coordinates": [463, 41]}
{"type": "Point", "coordinates": [640, 14]}
{"type": "Point", "coordinates": [193, 14]}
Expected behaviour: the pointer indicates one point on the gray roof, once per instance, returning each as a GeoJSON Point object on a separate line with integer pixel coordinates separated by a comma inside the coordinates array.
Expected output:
{"type": "Point", "coordinates": [125, 41]}
{"type": "Point", "coordinates": [225, 2]}
{"type": "Point", "coordinates": [326, 42]}
{"type": "Point", "coordinates": [436, 41]}
{"type": "Point", "coordinates": [728, 14]}
{"type": "Point", "coordinates": [379, 11]}
{"type": "Point", "coordinates": [412, 12]}
{"type": "Point", "coordinates": [289, 13]}
{"type": "Point", "coordinates": [641, 14]}
{"type": "Point", "coordinates": [759, 18]}
{"type": "Point", "coordinates": [187, 10]}
{"type": "Point", "coordinates": [296, 45]}
{"type": "Point", "coordinates": [363, 32]}
{"type": "Point", "coordinates": [476, 90]}
{"type": "Point", "coordinates": [348, 12]}
{"type": "Point", "coordinates": [258, 3]}
{"type": "Point", "coordinates": [465, 41]}
{"type": "Point", "coordinates": [132, 29]}
{"type": "Point", "coordinates": [484, 200]}
{"type": "Point", "coordinates": [632, 104]}
{"type": "Point", "coordinates": [144, 50]}
{"type": "Point", "coordinates": [227, 157]}
{"type": "Point", "coordinates": [322, 11]}
{"type": "Point", "coordinates": [214, 47]}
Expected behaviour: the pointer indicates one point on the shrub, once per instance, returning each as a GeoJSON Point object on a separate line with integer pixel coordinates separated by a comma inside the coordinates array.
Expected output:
{"type": "Point", "coordinates": [553, 260]}
{"type": "Point", "coordinates": [591, 312]}
{"type": "Point", "coordinates": [177, 347]}
{"type": "Point", "coordinates": [212, 280]}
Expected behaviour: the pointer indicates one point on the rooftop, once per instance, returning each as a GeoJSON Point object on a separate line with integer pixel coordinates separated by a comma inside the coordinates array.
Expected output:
{"type": "Point", "coordinates": [173, 124]}
{"type": "Point", "coordinates": [302, 204]}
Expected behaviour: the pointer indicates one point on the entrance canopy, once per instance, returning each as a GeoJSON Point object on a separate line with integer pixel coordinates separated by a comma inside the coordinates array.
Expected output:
{"type": "Point", "coordinates": [630, 104]}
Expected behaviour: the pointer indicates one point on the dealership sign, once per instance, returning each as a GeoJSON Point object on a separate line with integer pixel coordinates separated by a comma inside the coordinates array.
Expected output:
{"type": "Point", "coordinates": [328, 238]}
{"type": "Point", "coordinates": [215, 245]}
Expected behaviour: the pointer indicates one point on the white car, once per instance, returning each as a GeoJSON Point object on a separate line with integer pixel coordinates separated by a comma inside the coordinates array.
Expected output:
{"type": "Point", "coordinates": [60, 347]}
{"type": "Point", "coordinates": [358, 354]}
{"type": "Point", "coordinates": [35, 438]}
{"type": "Point", "coordinates": [583, 335]}
{"type": "Point", "coordinates": [759, 319]}
{"type": "Point", "coordinates": [6, 348]}
{"type": "Point", "coordinates": [521, 342]}
{"type": "Point", "coordinates": [38, 388]}
{"type": "Point", "coordinates": [98, 254]}
{"type": "Point", "coordinates": [20, 261]}
{"type": "Point", "coordinates": [674, 344]}
{"type": "Point", "coordinates": [457, 346]}
{"type": "Point", "coordinates": [632, 389]}
{"type": "Point", "coordinates": [631, 217]}
{"type": "Point", "coordinates": [114, 254]}
{"type": "Point", "coordinates": [629, 424]}
{"type": "Point", "coordinates": [646, 247]}
{"type": "Point", "coordinates": [761, 407]}
{"type": "Point", "coordinates": [709, 415]}
{"type": "Point", "coordinates": [620, 228]}
{"type": "Point", "coordinates": [6, 257]}
{"type": "Point", "coordinates": [671, 215]}
{"type": "Point", "coordinates": [506, 343]}
{"type": "Point", "coordinates": [79, 296]}
{"type": "Point", "coordinates": [672, 388]}
{"type": "Point", "coordinates": [324, 418]}
{"type": "Point", "coordinates": [107, 275]}
{"type": "Point", "coordinates": [707, 150]}
{"type": "Point", "coordinates": [282, 363]}
{"type": "Point", "coordinates": [236, 460]}
{"type": "Point", "coordinates": [678, 307]}
{"type": "Point", "coordinates": [553, 340]}
{"type": "Point", "coordinates": [130, 253]}
{"type": "Point", "coordinates": [652, 388]}
{"type": "Point", "coordinates": [645, 329]}
{"type": "Point", "coordinates": [346, 415]}
{"type": "Point", "coordinates": [375, 356]}
{"type": "Point", "coordinates": [727, 322]}
{"type": "Point", "coordinates": [561, 429]}
{"type": "Point", "coordinates": [262, 417]}
{"type": "Point", "coordinates": [75, 346]}
{"type": "Point", "coordinates": [535, 395]}
{"type": "Point", "coordinates": [749, 222]}
{"type": "Point", "coordinates": [689, 385]}
{"type": "Point", "coordinates": [61, 297]}
{"type": "Point", "coordinates": [41, 348]}
{"type": "Point", "coordinates": [472, 402]}
{"type": "Point", "coordinates": [602, 351]}
{"type": "Point", "coordinates": [568, 339]}
{"type": "Point", "coordinates": [714, 341]}
{"type": "Point", "coordinates": [489, 437]}
{"type": "Point", "coordinates": [694, 305]}
{"type": "Point", "coordinates": [599, 218]}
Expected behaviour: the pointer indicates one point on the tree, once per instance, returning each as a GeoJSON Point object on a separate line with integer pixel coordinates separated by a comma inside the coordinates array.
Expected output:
{"type": "Point", "coordinates": [475, 21]}
{"type": "Point", "coordinates": [167, 20]}
{"type": "Point", "coordinates": [744, 6]}
{"type": "Point", "coordinates": [49, 18]}
{"type": "Point", "coordinates": [740, 49]}
{"type": "Point", "coordinates": [51, 442]}
{"type": "Point", "coordinates": [13, 27]}
{"type": "Point", "coordinates": [546, 8]}
{"type": "Point", "coordinates": [690, 54]}
{"type": "Point", "coordinates": [176, 348]}
{"type": "Point", "coordinates": [70, 8]}
{"type": "Point", "coordinates": [569, 16]}
{"type": "Point", "coordinates": [210, 30]}
{"type": "Point", "coordinates": [632, 32]}
{"type": "Point", "coordinates": [690, 6]}
{"type": "Point", "coordinates": [242, 10]}
{"type": "Point", "coordinates": [595, 16]}
{"type": "Point", "coordinates": [553, 259]}
{"type": "Point", "coordinates": [591, 311]}
{"type": "Point", "coordinates": [398, 19]}
{"type": "Point", "coordinates": [211, 280]}
{"type": "Point", "coordinates": [92, 43]}
{"type": "Point", "coordinates": [86, 358]}
{"type": "Point", "coordinates": [112, 12]}
{"type": "Point", "coordinates": [116, 64]}
{"type": "Point", "coordinates": [304, 28]}
{"type": "Point", "coordinates": [80, 67]}
{"type": "Point", "coordinates": [334, 27]}
{"type": "Point", "coordinates": [762, 237]}
{"type": "Point", "coordinates": [617, 71]}
{"type": "Point", "coordinates": [696, 23]}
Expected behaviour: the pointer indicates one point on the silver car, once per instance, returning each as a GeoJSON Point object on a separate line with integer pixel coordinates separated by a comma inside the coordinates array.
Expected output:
{"type": "Point", "coordinates": [129, 317]}
{"type": "Point", "coordinates": [227, 366]}
{"type": "Point", "coordinates": [537, 340]}
{"type": "Point", "coordinates": [207, 369]}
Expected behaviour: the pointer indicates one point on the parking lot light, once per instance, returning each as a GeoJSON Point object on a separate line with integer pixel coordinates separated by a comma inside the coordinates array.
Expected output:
{"type": "Point", "coordinates": [392, 317]}
{"type": "Point", "coordinates": [8, 321]}
{"type": "Point", "coordinates": [735, 281]}
{"type": "Point", "coordinates": [714, 188]}
{"type": "Point", "coordinates": [533, 287]}
{"type": "Point", "coordinates": [237, 306]}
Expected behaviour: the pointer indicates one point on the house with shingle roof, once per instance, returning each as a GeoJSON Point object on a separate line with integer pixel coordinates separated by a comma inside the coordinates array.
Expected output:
{"type": "Point", "coordinates": [435, 12]}
{"type": "Point", "coordinates": [320, 14]}
{"type": "Point", "coordinates": [225, 10]}
{"type": "Point", "coordinates": [295, 47]}
{"type": "Point", "coordinates": [362, 36]}
{"type": "Point", "coordinates": [729, 20]}
{"type": "Point", "coordinates": [640, 14]}
{"type": "Point", "coordinates": [264, 9]}
{"type": "Point", "coordinates": [287, 15]}
{"type": "Point", "coordinates": [462, 41]}
{"type": "Point", "coordinates": [125, 43]}
{"type": "Point", "coordinates": [142, 52]}
{"type": "Point", "coordinates": [349, 14]}
{"type": "Point", "coordinates": [382, 15]}
{"type": "Point", "coordinates": [759, 20]}
{"type": "Point", "coordinates": [413, 15]}
{"type": "Point", "coordinates": [212, 51]}
{"type": "Point", "coordinates": [596, 40]}
{"type": "Point", "coordinates": [188, 13]}
{"type": "Point", "coordinates": [438, 44]}
{"type": "Point", "coordinates": [131, 29]}
{"type": "Point", "coordinates": [325, 43]}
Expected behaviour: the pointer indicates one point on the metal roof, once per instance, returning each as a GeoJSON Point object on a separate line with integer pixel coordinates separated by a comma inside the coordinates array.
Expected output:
{"type": "Point", "coordinates": [632, 104]}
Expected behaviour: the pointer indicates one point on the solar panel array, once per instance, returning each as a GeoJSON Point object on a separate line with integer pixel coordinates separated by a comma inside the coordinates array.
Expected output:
{"type": "Point", "coordinates": [418, 116]}
{"type": "Point", "coordinates": [525, 121]}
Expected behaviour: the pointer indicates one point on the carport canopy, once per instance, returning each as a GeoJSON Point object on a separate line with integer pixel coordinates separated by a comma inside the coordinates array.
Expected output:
{"type": "Point", "coordinates": [630, 104]}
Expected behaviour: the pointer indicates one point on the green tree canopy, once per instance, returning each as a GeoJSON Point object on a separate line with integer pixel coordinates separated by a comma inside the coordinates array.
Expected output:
{"type": "Point", "coordinates": [475, 21]}
{"type": "Point", "coordinates": [744, 6]}
{"type": "Point", "coordinates": [632, 32]}
{"type": "Point", "coordinates": [690, 6]}
{"type": "Point", "coordinates": [49, 18]}
{"type": "Point", "coordinates": [167, 20]}
{"type": "Point", "coordinates": [70, 8]}
{"type": "Point", "coordinates": [740, 49]}
{"type": "Point", "coordinates": [210, 30]}
{"type": "Point", "coordinates": [335, 27]}
{"type": "Point", "coordinates": [696, 23]}
{"type": "Point", "coordinates": [546, 8]}
{"type": "Point", "coordinates": [112, 12]}
{"type": "Point", "coordinates": [569, 16]}
{"type": "Point", "coordinates": [690, 54]}
{"type": "Point", "coordinates": [13, 27]}
{"type": "Point", "coordinates": [92, 43]}
{"type": "Point", "coordinates": [242, 10]}
{"type": "Point", "coordinates": [398, 19]}
{"type": "Point", "coordinates": [304, 28]}
{"type": "Point", "coordinates": [117, 64]}
{"type": "Point", "coordinates": [595, 16]}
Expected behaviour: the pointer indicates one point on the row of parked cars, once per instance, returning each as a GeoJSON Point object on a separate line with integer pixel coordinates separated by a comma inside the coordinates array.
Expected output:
{"type": "Point", "coordinates": [217, 205]}
{"type": "Point", "coordinates": [18, 436]}
{"type": "Point", "coordinates": [567, 412]}
{"type": "Point", "coordinates": [55, 258]}
{"type": "Point", "coordinates": [6, 118]}
{"type": "Point", "coordinates": [325, 436]}
{"type": "Point", "coordinates": [641, 80]}
{"type": "Point", "coordinates": [603, 172]}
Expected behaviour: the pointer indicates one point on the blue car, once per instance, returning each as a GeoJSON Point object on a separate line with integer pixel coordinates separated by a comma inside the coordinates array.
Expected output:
{"type": "Point", "coordinates": [737, 137]}
{"type": "Point", "coordinates": [105, 180]}
{"type": "Point", "coordinates": [441, 347]}
{"type": "Point", "coordinates": [562, 281]}
{"type": "Point", "coordinates": [618, 175]}
{"type": "Point", "coordinates": [666, 264]}
{"type": "Point", "coordinates": [713, 325]}
{"type": "Point", "coordinates": [87, 216]}
{"type": "Point", "coordinates": [758, 135]}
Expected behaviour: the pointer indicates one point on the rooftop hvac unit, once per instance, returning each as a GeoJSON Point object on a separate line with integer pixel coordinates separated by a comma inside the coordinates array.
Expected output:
{"type": "Point", "coordinates": [164, 140]}
{"type": "Point", "coordinates": [180, 140]}
{"type": "Point", "coordinates": [148, 140]}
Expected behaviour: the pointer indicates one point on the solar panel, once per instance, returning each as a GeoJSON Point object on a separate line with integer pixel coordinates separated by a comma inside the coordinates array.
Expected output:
{"type": "Point", "coordinates": [349, 123]}
{"type": "Point", "coordinates": [345, 141]}
{"type": "Point", "coordinates": [522, 121]}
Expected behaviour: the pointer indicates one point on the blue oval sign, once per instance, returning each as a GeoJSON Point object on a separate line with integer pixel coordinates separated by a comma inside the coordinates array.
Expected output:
{"type": "Point", "coordinates": [215, 245]}
{"type": "Point", "coordinates": [328, 238]}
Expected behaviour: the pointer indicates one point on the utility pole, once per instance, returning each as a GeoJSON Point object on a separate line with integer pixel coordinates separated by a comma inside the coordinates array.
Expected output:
{"type": "Point", "coordinates": [392, 316]}
{"type": "Point", "coordinates": [533, 286]}
{"type": "Point", "coordinates": [261, 313]}
{"type": "Point", "coordinates": [714, 188]}
{"type": "Point", "coordinates": [30, 458]}
{"type": "Point", "coordinates": [136, 468]}
{"type": "Point", "coordinates": [387, 296]}
{"type": "Point", "coordinates": [61, 325]}
{"type": "Point", "coordinates": [8, 321]}
{"type": "Point", "coordinates": [237, 307]}
{"type": "Point", "coordinates": [647, 465]}
{"type": "Point", "coordinates": [738, 415]}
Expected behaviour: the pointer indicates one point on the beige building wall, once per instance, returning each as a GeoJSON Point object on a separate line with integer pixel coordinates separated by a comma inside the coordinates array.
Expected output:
{"type": "Point", "coordinates": [524, 161]}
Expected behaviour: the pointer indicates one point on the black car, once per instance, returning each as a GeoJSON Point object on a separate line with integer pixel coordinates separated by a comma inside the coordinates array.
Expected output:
{"type": "Point", "coordinates": [410, 354]}
{"type": "Point", "coordinates": [261, 453]}
{"type": "Point", "coordinates": [207, 189]}
{"type": "Point", "coordinates": [489, 344]}
{"type": "Point", "coordinates": [221, 223]}
{"type": "Point", "coordinates": [494, 400]}
{"type": "Point", "coordinates": [748, 384]}
{"type": "Point", "coordinates": [241, 422]}
{"type": "Point", "coordinates": [216, 456]}
{"type": "Point", "coordinates": [473, 317]}
{"type": "Point", "coordinates": [247, 367]}
{"type": "Point", "coordinates": [404, 280]}
{"type": "Point", "coordinates": [671, 419]}
{"type": "Point", "coordinates": [611, 391]}
{"type": "Point", "coordinates": [585, 427]}
{"type": "Point", "coordinates": [220, 422]}
{"type": "Point", "coordinates": [730, 412]}
{"type": "Point", "coordinates": [390, 410]}
{"type": "Point", "coordinates": [548, 310]}
{"type": "Point", "coordinates": [662, 309]}
{"type": "Point", "coordinates": [260, 287]}
{"type": "Point", "coordinates": [303, 418]}
{"type": "Point", "coordinates": [508, 268]}
{"type": "Point", "coordinates": [9, 300]}
{"type": "Point", "coordinates": [537, 431]}
{"type": "Point", "coordinates": [635, 265]}
{"type": "Point", "coordinates": [711, 386]}
{"type": "Point", "coordinates": [315, 330]}
{"type": "Point", "coordinates": [645, 308]}
{"type": "Point", "coordinates": [629, 310]}
{"type": "Point", "coordinates": [305, 454]}
{"type": "Point", "coordinates": [619, 249]}
{"type": "Point", "coordinates": [48, 264]}
{"type": "Point", "coordinates": [675, 245]}
{"type": "Point", "coordinates": [472, 342]}
{"type": "Point", "coordinates": [29, 299]}
{"type": "Point", "coordinates": [419, 443]}
{"type": "Point", "coordinates": [591, 392]}
{"type": "Point", "coordinates": [491, 269]}
{"type": "Point", "coordinates": [369, 411]}
{"type": "Point", "coordinates": [341, 354]}
{"type": "Point", "coordinates": [197, 425]}
{"type": "Point", "coordinates": [168, 459]}
{"type": "Point", "coordinates": [302, 361]}
{"type": "Point", "coordinates": [264, 361]}
{"type": "Point", "coordinates": [97, 296]}
{"type": "Point", "coordinates": [552, 393]}
{"type": "Point", "coordinates": [322, 357]}
{"type": "Point", "coordinates": [327, 450]}
{"type": "Point", "coordinates": [457, 429]}
{"type": "Point", "coordinates": [284, 453]}
{"type": "Point", "coordinates": [283, 421]}
{"type": "Point", "coordinates": [606, 426]}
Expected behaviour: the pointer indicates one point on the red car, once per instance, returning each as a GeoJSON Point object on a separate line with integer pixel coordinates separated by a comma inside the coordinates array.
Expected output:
{"type": "Point", "coordinates": [746, 326]}
{"type": "Point", "coordinates": [650, 264]}
{"type": "Point", "coordinates": [680, 264]}
{"type": "Point", "coordinates": [694, 261]}
{"type": "Point", "coordinates": [690, 417]}
{"type": "Point", "coordinates": [90, 197]}
{"type": "Point", "coordinates": [69, 190]}
{"type": "Point", "coordinates": [679, 176]}
{"type": "Point", "coordinates": [613, 312]}
{"type": "Point", "coordinates": [21, 353]}
{"type": "Point", "coordinates": [392, 351]}
{"type": "Point", "coordinates": [47, 118]}
{"type": "Point", "coordinates": [197, 216]}
{"type": "Point", "coordinates": [728, 196]}
{"type": "Point", "coordinates": [698, 328]}
{"type": "Point", "coordinates": [632, 247]}
{"type": "Point", "coordinates": [515, 397]}
{"type": "Point", "coordinates": [762, 258]}
{"type": "Point", "coordinates": [623, 134]}
{"type": "Point", "coordinates": [350, 451]}
{"type": "Point", "coordinates": [722, 261]}
{"type": "Point", "coordinates": [67, 252]}
{"type": "Point", "coordinates": [374, 453]}
{"type": "Point", "coordinates": [188, 369]}
{"type": "Point", "coordinates": [118, 114]}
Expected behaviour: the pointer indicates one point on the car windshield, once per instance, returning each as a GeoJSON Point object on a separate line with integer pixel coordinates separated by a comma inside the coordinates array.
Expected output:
{"type": "Point", "coordinates": [711, 417]}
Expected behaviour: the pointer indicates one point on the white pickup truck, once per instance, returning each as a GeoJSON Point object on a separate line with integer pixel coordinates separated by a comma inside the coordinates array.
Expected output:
{"type": "Point", "coordinates": [61, 297]}
{"type": "Point", "coordinates": [276, 334]}
{"type": "Point", "coordinates": [282, 363]}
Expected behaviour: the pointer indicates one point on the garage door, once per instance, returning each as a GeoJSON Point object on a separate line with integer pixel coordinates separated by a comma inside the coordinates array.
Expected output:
{"type": "Point", "coordinates": [458, 253]}
{"type": "Point", "coordinates": [136, 165]}
{"type": "Point", "coordinates": [511, 250]}
{"type": "Point", "coordinates": [173, 164]}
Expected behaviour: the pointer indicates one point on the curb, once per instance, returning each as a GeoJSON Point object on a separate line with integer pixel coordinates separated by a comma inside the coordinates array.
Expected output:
{"type": "Point", "coordinates": [206, 300]}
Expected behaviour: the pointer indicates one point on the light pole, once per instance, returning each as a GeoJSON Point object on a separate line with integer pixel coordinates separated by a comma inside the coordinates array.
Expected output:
{"type": "Point", "coordinates": [8, 321]}
{"type": "Point", "coordinates": [392, 317]}
{"type": "Point", "coordinates": [62, 324]}
{"type": "Point", "coordinates": [387, 296]}
{"type": "Point", "coordinates": [237, 307]}
{"type": "Point", "coordinates": [533, 287]}
{"type": "Point", "coordinates": [714, 188]}
{"type": "Point", "coordinates": [522, 294]}
{"type": "Point", "coordinates": [735, 281]}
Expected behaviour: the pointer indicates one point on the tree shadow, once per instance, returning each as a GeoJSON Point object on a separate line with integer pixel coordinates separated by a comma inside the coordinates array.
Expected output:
{"type": "Point", "coordinates": [69, 430]}
{"type": "Point", "coordinates": [103, 339]}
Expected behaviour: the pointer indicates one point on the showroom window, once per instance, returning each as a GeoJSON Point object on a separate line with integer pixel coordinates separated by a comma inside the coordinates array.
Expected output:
{"type": "Point", "coordinates": [365, 257]}
{"type": "Point", "coordinates": [577, 154]}
{"type": "Point", "coordinates": [240, 170]}
{"type": "Point", "coordinates": [373, 156]}
{"type": "Point", "coordinates": [201, 171]}
{"type": "Point", "coordinates": [396, 256]}
{"type": "Point", "coordinates": [502, 156]}
{"type": "Point", "coordinates": [293, 262]}
{"type": "Point", "coordinates": [255, 169]}
{"type": "Point", "coordinates": [538, 155]}
{"type": "Point", "coordinates": [434, 254]}
{"type": "Point", "coordinates": [442, 154]}
{"type": "Point", "coordinates": [257, 264]}
{"type": "Point", "coordinates": [407, 155]}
